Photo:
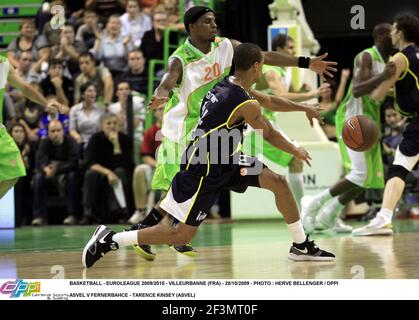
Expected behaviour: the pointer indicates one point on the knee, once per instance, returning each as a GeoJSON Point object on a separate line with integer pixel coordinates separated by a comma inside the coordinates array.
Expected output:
{"type": "Point", "coordinates": [296, 166]}
{"type": "Point", "coordinates": [140, 170]}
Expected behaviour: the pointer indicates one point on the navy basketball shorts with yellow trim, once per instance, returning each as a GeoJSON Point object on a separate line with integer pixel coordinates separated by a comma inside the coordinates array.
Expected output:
{"type": "Point", "coordinates": [192, 194]}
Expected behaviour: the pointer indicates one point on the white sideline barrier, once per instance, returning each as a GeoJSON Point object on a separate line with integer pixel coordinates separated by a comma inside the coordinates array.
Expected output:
{"type": "Point", "coordinates": [325, 170]}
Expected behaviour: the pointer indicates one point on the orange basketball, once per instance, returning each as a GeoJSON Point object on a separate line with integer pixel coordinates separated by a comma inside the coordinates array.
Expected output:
{"type": "Point", "coordinates": [359, 133]}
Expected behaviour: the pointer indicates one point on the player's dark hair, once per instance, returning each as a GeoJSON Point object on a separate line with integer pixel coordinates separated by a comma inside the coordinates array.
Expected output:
{"type": "Point", "coordinates": [409, 25]}
{"type": "Point", "coordinates": [245, 55]}
{"type": "Point", "coordinates": [280, 40]}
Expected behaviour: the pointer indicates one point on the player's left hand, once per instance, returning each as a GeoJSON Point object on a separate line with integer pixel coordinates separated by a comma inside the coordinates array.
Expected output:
{"type": "Point", "coordinates": [321, 67]}
{"type": "Point", "coordinates": [313, 112]}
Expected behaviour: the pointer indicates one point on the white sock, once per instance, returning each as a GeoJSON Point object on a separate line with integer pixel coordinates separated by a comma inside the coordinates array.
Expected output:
{"type": "Point", "coordinates": [297, 186]}
{"type": "Point", "coordinates": [297, 231]}
{"type": "Point", "coordinates": [323, 196]}
{"type": "Point", "coordinates": [331, 211]}
{"type": "Point", "coordinates": [335, 205]}
{"type": "Point", "coordinates": [126, 238]}
{"type": "Point", "coordinates": [386, 214]}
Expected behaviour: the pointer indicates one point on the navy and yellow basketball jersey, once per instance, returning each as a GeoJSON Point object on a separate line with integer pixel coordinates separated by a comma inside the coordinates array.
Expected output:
{"type": "Point", "coordinates": [213, 139]}
{"type": "Point", "coordinates": [407, 87]}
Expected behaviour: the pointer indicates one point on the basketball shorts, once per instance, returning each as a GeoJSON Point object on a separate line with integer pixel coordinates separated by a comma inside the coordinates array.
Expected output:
{"type": "Point", "coordinates": [192, 193]}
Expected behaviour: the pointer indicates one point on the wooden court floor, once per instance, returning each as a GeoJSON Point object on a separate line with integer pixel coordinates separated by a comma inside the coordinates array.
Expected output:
{"type": "Point", "coordinates": [240, 250]}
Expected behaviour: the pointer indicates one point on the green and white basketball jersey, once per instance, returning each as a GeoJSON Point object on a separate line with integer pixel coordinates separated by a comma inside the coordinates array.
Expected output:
{"type": "Point", "coordinates": [364, 105]}
{"type": "Point", "coordinates": [4, 72]}
{"type": "Point", "coordinates": [200, 74]}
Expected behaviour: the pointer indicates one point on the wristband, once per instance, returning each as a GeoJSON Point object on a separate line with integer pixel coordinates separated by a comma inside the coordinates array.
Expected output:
{"type": "Point", "coordinates": [303, 62]}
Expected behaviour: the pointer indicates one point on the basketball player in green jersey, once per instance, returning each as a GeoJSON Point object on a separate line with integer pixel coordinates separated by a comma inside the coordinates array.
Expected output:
{"type": "Point", "coordinates": [406, 86]}
{"type": "Point", "coordinates": [11, 163]}
{"type": "Point", "coordinates": [193, 69]}
{"type": "Point", "coordinates": [364, 169]}
{"type": "Point", "coordinates": [277, 81]}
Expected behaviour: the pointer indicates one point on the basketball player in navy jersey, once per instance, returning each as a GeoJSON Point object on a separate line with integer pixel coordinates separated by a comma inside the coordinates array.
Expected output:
{"type": "Point", "coordinates": [406, 86]}
{"type": "Point", "coordinates": [212, 163]}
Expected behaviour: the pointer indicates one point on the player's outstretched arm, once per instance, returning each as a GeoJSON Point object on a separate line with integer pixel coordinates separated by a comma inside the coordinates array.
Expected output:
{"type": "Point", "coordinates": [316, 64]}
{"type": "Point", "coordinates": [397, 67]}
{"type": "Point", "coordinates": [278, 104]}
{"type": "Point", "coordinates": [167, 83]}
{"type": "Point", "coordinates": [31, 93]}
{"type": "Point", "coordinates": [251, 113]}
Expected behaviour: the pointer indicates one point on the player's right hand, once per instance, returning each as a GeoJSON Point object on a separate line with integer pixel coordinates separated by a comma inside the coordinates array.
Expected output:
{"type": "Point", "coordinates": [301, 154]}
{"type": "Point", "coordinates": [156, 102]}
{"type": "Point", "coordinates": [313, 112]}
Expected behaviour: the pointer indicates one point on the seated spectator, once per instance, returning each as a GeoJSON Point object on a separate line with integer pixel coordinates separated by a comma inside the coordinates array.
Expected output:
{"type": "Point", "coordinates": [57, 163]}
{"type": "Point", "coordinates": [29, 41]}
{"type": "Point", "coordinates": [143, 173]}
{"type": "Point", "coordinates": [106, 8]}
{"type": "Point", "coordinates": [134, 23]}
{"type": "Point", "coordinates": [69, 50]}
{"type": "Point", "coordinates": [85, 116]}
{"type": "Point", "coordinates": [152, 44]}
{"type": "Point", "coordinates": [119, 108]}
{"type": "Point", "coordinates": [57, 84]}
{"type": "Point", "coordinates": [99, 76]}
{"type": "Point", "coordinates": [136, 75]}
{"type": "Point", "coordinates": [393, 129]}
{"type": "Point", "coordinates": [110, 162]}
{"type": "Point", "coordinates": [171, 7]}
{"type": "Point", "coordinates": [49, 116]}
{"type": "Point", "coordinates": [22, 189]}
{"type": "Point", "coordinates": [28, 113]}
{"type": "Point", "coordinates": [112, 49]}
{"type": "Point", "coordinates": [91, 30]}
{"type": "Point", "coordinates": [25, 68]}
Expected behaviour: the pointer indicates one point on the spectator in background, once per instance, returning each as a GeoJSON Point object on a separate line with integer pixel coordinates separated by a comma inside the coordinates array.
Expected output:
{"type": "Point", "coordinates": [29, 116]}
{"type": "Point", "coordinates": [28, 75]}
{"type": "Point", "coordinates": [47, 117]}
{"type": "Point", "coordinates": [69, 50]}
{"type": "Point", "coordinates": [25, 68]}
{"type": "Point", "coordinates": [152, 44]}
{"type": "Point", "coordinates": [136, 75]}
{"type": "Point", "coordinates": [56, 162]}
{"type": "Point", "coordinates": [110, 162]}
{"type": "Point", "coordinates": [57, 84]}
{"type": "Point", "coordinates": [112, 49]}
{"type": "Point", "coordinates": [85, 116]}
{"type": "Point", "coordinates": [119, 108]}
{"type": "Point", "coordinates": [171, 7]}
{"type": "Point", "coordinates": [28, 40]}
{"type": "Point", "coordinates": [392, 133]}
{"type": "Point", "coordinates": [134, 23]}
{"type": "Point", "coordinates": [143, 173]}
{"type": "Point", "coordinates": [99, 76]}
{"type": "Point", "coordinates": [106, 8]}
{"type": "Point", "coordinates": [88, 32]}
{"type": "Point", "coordinates": [147, 5]}
{"type": "Point", "coordinates": [22, 189]}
